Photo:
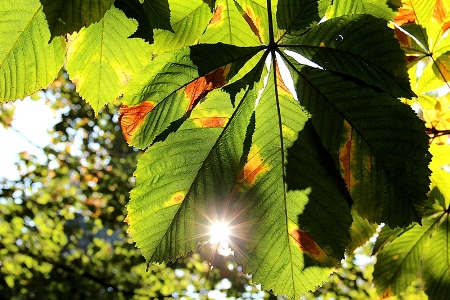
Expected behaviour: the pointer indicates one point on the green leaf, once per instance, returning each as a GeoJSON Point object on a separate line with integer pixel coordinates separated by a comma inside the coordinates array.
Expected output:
{"type": "Point", "coordinates": [295, 15]}
{"type": "Point", "coordinates": [351, 122]}
{"type": "Point", "coordinates": [150, 15]}
{"type": "Point", "coordinates": [377, 8]}
{"type": "Point", "coordinates": [199, 69]}
{"type": "Point", "coordinates": [429, 80]}
{"type": "Point", "coordinates": [418, 251]}
{"type": "Point", "coordinates": [101, 59]}
{"type": "Point", "coordinates": [189, 20]}
{"type": "Point", "coordinates": [385, 236]}
{"type": "Point", "coordinates": [436, 262]}
{"type": "Point", "coordinates": [227, 25]}
{"type": "Point", "coordinates": [294, 218]}
{"type": "Point", "coordinates": [361, 231]}
{"type": "Point", "coordinates": [133, 9]}
{"type": "Point", "coordinates": [347, 39]}
{"type": "Point", "coordinates": [158, 13]}
{"type": "Point", "coordinates": [27, 61]}
{"type": "Point", "coordinates": [163, 187]}
{"type": "Point", "coordinates": [69, 16]}
{"type": "Point", "coordinates": [398, 263]}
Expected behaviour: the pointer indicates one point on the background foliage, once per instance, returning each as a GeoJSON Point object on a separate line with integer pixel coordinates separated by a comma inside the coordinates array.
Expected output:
{"type": "Point", "coordinates": [212, 104]}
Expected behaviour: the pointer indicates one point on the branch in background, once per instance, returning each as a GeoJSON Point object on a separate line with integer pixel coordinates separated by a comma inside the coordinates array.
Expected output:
{"type": "Point", "coordinates": [21, 134]}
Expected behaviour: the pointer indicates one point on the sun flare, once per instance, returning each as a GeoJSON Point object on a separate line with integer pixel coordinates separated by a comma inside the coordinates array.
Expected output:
{"type": "Point", "coordinates": [219, 233]}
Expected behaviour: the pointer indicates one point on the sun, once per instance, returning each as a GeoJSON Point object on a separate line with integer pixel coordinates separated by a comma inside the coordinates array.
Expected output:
{"type": "Point", "coordinates": [219, 233]}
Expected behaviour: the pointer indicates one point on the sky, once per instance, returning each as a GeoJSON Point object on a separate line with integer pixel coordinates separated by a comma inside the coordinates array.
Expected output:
{"type": "Point", "coordinates": [32, 118]}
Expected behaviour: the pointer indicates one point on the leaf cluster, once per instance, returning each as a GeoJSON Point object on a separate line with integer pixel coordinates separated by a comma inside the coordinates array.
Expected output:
{"type": "Point", "coordinates": [280, 118]}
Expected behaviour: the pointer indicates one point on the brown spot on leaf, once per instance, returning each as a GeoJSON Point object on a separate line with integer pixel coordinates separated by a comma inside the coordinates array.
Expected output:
{"type": "Point", "coordinates": [212, 122]}
{"type": "Point", "coordinates": [176, 198]}
{"type": "Point", "coordinates": [253, 21]}
{"type": "Point", "coordinates": [445, 27]}
{"type": "Point", "coordinates": [387, 292]}
{"type": "Point", "coordinates": [252, 169]}
{"type": "Point", "coordinates": [403, 38]}
{"type": "Point", "coordinates": [405, 15]}
{"type": "Point", "coordinates": [305, 243]}
{"type": "Point", "coordinates": [439, 11]}
{"type": "Point", "coordinates": [217, 17]}
{"type": "Point", "coordinates": [345, 156]}
{"type": "Point", "coordinates": [199, 88]}
{"type": "Point", "coordinates": [131, 118]}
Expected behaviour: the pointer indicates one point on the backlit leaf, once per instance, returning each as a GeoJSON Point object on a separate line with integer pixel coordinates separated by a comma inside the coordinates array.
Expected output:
{"type": "Point", "coordinates": [189, 20]}
{"type": "Point", "coordinates": [280, 156]}
{"type": "Point", "coordinates": [174, 99]}
{"type": "Point", "coordinates": [436, 262]}
{"type": "Point", "coordinates": [440, 176]}
{"type": "Point", "coordinates": [398, 264]}
{"type": "Point", "coordinates": [227, 25]}
{"type": "Point", "coordinates": [419, 251]}
{"type": "Point", "coordinates": [99, 63]}
{"type": "Point", "coordinates": [357, 148]}
{"type": "Point", "coordinates": [69, 16]}
{"type": "Point", "coordinates": [375, 8]}
{"type": "Point", "coordinates": [361, 231]}
{"type": "Point", "coordinates": [423, 37]}
{"type": "Point", "coordinates": [27, 61]}
{"type": "Point", "coordinates": [278, 117]}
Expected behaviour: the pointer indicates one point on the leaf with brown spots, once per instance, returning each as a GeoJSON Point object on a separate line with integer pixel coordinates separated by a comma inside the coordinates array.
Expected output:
{"type": "Point", "coordinates": [199, 88]}
{"type": "Point", "coordinates": [132, 118]}
{"type": "Point", "coordinates": [232, 136]}
{"type": "Point", "coordinates": [253, 168]}
{"type": "Point", "coordinates": [405, 15]}
{"type": "Point", "coordinates": [306, 244]}
{"type": "Point", "coordinates": [212, 122]}
{"type": "Point", "coordinates": [227, 25]}
{"type": "Point", "coordinates": [176, 88]}
{"type": "Point", "coordinates": [256, 17]}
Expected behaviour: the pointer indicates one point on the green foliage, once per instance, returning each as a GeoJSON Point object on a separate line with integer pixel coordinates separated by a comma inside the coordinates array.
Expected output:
{"type": "Point", "coordinates": [61, 222]}
{"type": "Point", "coordinates": [69, 16]}
{"type": "Point", "coordinates": [27, 61]}
{"type": "Point", "coordinates": [419, 251]}
{"type": "Point", "coordinates": [279, 118]}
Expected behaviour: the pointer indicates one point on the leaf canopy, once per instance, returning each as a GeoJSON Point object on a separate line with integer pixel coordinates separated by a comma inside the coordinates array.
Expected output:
{"type": "Point", "coordinates": [277, 117]}
{"type": "Point", "coordinates": [421, 28]}
{"type": "Point", "coordinates": [247, 154]}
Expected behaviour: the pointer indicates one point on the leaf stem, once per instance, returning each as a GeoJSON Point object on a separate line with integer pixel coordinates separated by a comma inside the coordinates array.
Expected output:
{"type": "Point", "coordinates": [272, 44]}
